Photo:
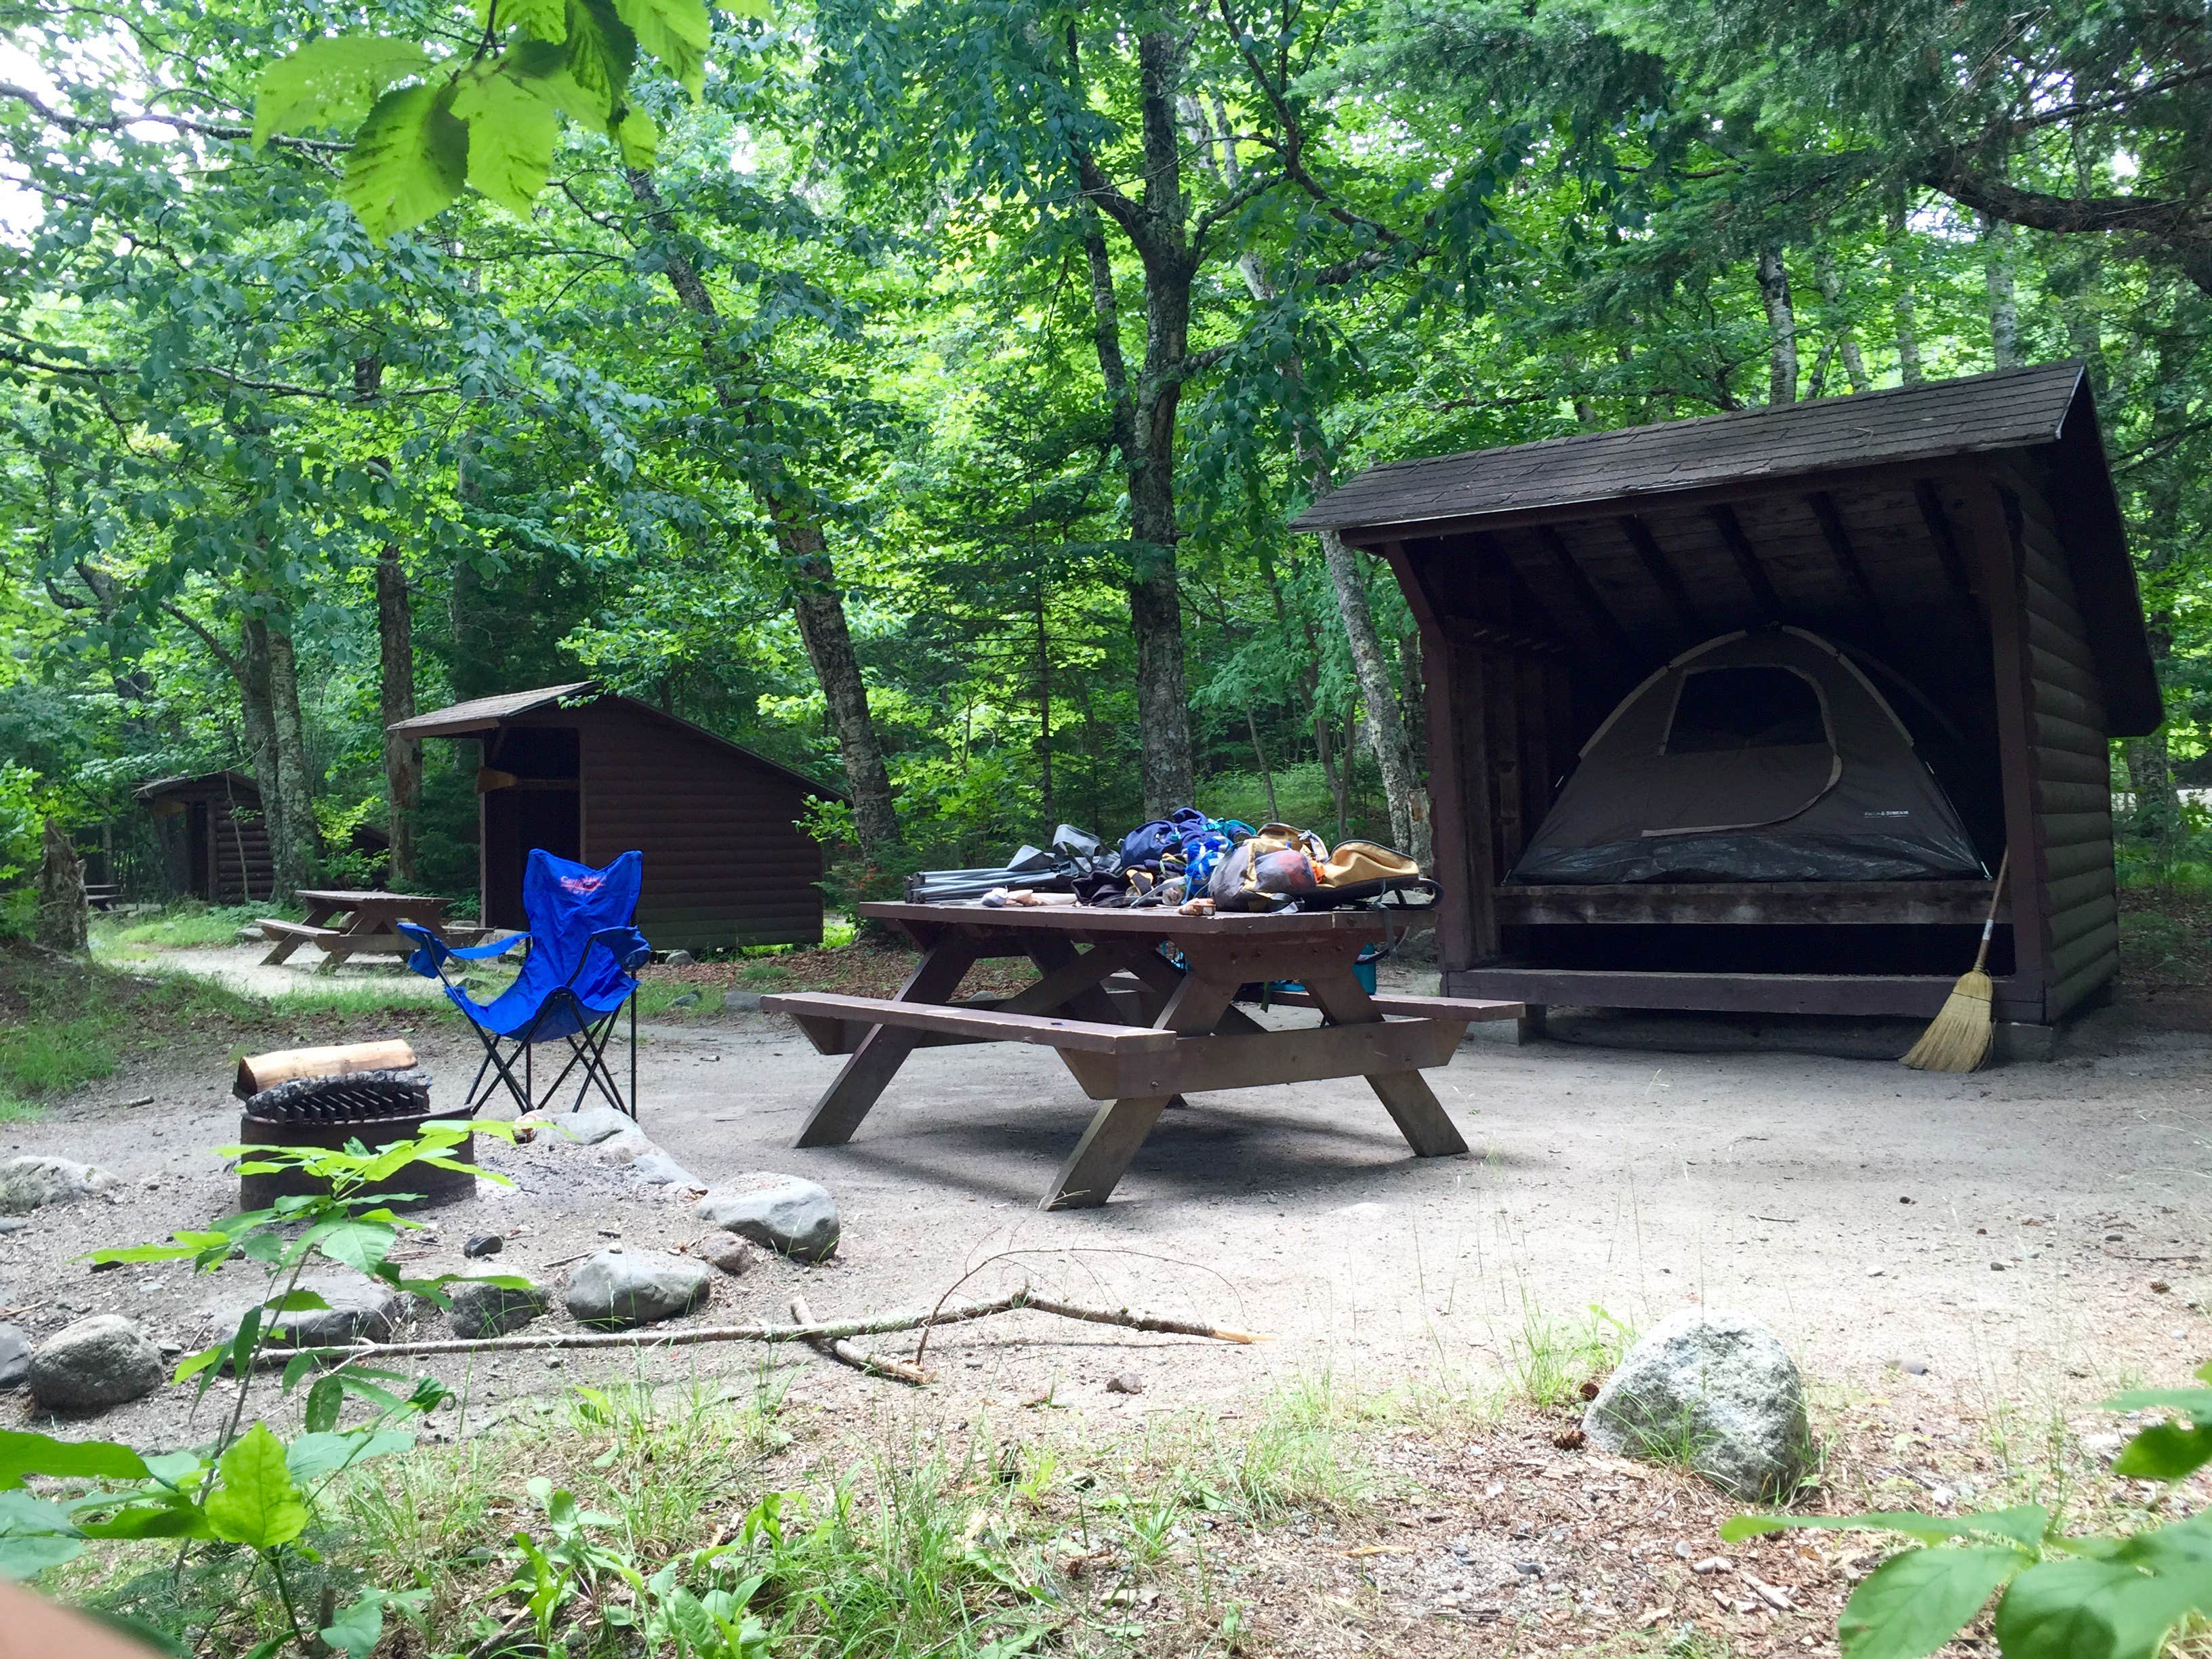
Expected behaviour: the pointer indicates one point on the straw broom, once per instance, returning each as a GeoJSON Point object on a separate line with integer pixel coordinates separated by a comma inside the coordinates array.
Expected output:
{"type": "Point", "coordinates": [1958, 1038]}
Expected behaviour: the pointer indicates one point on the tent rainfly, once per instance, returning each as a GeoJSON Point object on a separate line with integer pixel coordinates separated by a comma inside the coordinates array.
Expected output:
{"type": "Point", "coordinates": [1671, 673]}
{"type": "Point", "coordinates": [588, 775]}
{"type": "Point", "coordinates": [1756, 756]}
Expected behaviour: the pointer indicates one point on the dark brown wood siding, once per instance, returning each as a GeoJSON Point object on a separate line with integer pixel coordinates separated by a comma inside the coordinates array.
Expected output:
{"type": "Point", "coordinates": [2069, 760]}
{"type": "Point", "coordinates": [725, 862]}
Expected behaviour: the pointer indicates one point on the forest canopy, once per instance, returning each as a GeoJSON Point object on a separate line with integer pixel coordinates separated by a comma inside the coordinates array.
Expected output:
{"type": "Point", "coordinates": [918, 391]}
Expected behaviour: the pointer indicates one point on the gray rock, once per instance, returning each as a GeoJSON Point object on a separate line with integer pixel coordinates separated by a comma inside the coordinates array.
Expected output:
{"type": "Point", "coordinates": [732, 1255]}
{"type": "Point", "coordinates": [743, 1002]}
{"type": "Point", "coordinates": [96, 1362]}
{"type": "Point", "coordinates": [662, 1170]}
{"type": "Point", "coordinates": [15, 1356]}
{"type": "Point", "coordinates": [359, 1311]}
{"type": "Point", "coordinates": [588, 1127]}
{"type": "Point", "coordinates": [251, 934]}
{"type": "Point", "coordinates": [593, 1124]}
{"type": "Point", "coordinates": [481, 1245]}
{"type": "Point", "coordinates": [679, 958]}
{"type": "Point", "coordinates": [788, 1215]}
{"type": "Point", "coordinates": [11, 1224]}
{"type": "Point", "coordinates": [31, 1183]}
{"type": "Point", "coordinates": [624, 1148]}
{"type": "Point", "coordinates": [480, 1310]}
{"type": "Point", "coordinates": [636, 1287]}
{"type": "Point", "coordinates": [1712, 1390]}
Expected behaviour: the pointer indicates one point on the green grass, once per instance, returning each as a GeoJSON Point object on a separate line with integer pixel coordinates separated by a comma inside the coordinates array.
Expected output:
{"type": "Point", "coordinates": [663, 999]}
{"type": "Point", "coordinates": [185, 925]}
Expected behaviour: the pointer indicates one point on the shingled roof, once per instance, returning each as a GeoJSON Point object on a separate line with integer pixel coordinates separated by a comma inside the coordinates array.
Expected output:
{"type": "Point", "coordinates": [481, 713]}
{"type": "Point", "coordinates": [1980, 412]}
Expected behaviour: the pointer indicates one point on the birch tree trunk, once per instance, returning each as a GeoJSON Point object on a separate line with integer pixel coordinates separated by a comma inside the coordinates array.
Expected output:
{"type": "Point", "coordinates": [1386, 731]}
{"type": "Point", "coordinates": [1902, 306]}
{"type": "Point", "coordinates": [1781, 327]}
{"type": "Point", "coordinates": [1830, 284]}
{"type": "Point", "coordinates": [2000, 257]}
{"type": "Point", "coordinates": [403, 757]}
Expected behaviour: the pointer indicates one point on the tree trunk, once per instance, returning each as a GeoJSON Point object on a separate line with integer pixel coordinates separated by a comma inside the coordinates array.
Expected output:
{"type": "Point", "coordinates": [292, 857]}
{"type": "Point", "coordinates": [1338, 774]}
{"type": "Point", "coordinates": [1830, 284]}
{"type": "Point", "coordinates": [2156, 818]}
{"type": "Point", "coordinates": [817, 604]}
{"type": "Point", "coordinates": [1781, 327]}
{"type": "Point", "coordinates": [1386, 731]}
{"type": "Point", "coordinates": [258, 717]}
{"type": "Point", "coordinates": [1260, 754]}
{"type": "Point", "coordinates": [2000, 256]}
{"type": "Point", "coordinates": [60, 923]}
{"type": "Point", "coordinates": [1901, 304]}
{"type": "Point", "coordinates": [819, 609]}
{"type": "Point", "coordinates": [403, 757]}
{"type": "Point", "coordinates": [1044, 708]}
{"type": "Point", "coordinates": [1415, 710]}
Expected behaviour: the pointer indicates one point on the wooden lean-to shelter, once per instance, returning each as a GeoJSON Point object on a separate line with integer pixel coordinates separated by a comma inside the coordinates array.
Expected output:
{"type": "Point", "coordinates": [214, 843]}
{"type": "Point", "coordinates": [588, 775]}
{"type": "Point", "coordinates": [1933, 579]}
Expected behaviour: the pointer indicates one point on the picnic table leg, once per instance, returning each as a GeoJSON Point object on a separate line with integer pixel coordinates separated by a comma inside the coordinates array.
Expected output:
{"type": "Point", "coordinates": [885, 1049]}
{"type": "Point", "coordinates": [317, 915]}
{"type": "Point", "coordinates": [1118, 1127]}
{"type": "Point", "coordinates": [1412, 1105]}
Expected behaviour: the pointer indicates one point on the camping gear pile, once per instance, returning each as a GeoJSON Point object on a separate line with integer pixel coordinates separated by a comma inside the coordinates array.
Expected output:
{"type": "Point", "coordinates": [1189, 862]}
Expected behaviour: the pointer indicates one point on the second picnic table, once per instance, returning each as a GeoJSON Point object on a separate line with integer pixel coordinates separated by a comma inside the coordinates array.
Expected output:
{"type": "Point", "coordinates": [341, 923]}
{"type": "Point", "coordinates": [1137, 1030]}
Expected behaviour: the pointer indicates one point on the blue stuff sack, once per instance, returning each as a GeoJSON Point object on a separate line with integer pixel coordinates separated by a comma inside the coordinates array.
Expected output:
{"type": "Point", "coordinates": [1143, 846]}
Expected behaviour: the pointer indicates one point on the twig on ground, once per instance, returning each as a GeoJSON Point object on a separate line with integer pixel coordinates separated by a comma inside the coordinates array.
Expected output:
{"type": "Point", "coordinates": [906, 1319]}
{"type": "Point", "coordinates": [500, 1637]}
{"type": "Point", "coordinates": [858, 1359]}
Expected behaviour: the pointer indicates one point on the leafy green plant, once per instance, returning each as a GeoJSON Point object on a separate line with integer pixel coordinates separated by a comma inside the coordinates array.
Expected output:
{"type": "Point", "coordinates": [250, 1490]}
{"type": "Point", "coordinates": [2060, 1595]}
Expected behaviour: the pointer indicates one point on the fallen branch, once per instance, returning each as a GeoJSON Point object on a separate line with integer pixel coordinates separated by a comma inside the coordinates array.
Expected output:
{"type": "Point", "coordinates": [830, 1330]}
{"type": "Point", "coordinates": [858, 1359]}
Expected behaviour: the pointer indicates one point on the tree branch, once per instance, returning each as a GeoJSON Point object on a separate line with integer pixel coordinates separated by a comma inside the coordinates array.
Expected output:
{"type": "Point", "coordinates": [119, 123]}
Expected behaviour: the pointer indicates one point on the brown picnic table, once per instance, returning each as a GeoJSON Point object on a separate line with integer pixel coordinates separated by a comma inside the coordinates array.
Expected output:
{"type": "Point", "coordinates": [1137, 1030]}
{"type": "Point", "coordinates": [341, 924]}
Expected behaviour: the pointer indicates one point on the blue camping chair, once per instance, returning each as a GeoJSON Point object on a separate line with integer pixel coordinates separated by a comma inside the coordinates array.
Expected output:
{"type": "Point", "coordinates": [582, 969]}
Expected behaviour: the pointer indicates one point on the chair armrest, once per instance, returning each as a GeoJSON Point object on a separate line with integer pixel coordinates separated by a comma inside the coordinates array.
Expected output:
{"type": "Point", "coordinates": [626, 945]}
{"type": "Point", "coordinates": [431, 953]}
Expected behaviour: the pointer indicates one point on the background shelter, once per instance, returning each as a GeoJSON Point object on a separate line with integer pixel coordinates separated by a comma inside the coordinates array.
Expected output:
{"type": "Point", "coordinates": [1960, 539]}
{"type": "Point", "coordinates": [214, 843]}
{"type": "Point", "coordinates": [588, 775]}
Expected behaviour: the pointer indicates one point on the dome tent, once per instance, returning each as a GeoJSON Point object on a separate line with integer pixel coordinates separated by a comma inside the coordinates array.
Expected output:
{"type": "Point", "coordinates": [1763, 755]}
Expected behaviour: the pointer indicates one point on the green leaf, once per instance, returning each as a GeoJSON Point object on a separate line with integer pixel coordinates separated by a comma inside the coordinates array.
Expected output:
{"type": "Point", "coordinates": [676, 32]}
{"type": "Point", "coordinates": [355, 1632]}
{"type": "Point", "coordinates": [1913, 1603]}
{"type": "Point", "coordinates": [541, 20]}
{"type": "Point", "coordinates": [2025, 1526]}
{"type": "Point", "coordinates": [2164, 1451]}
{"type": "Point", "coordinates": [23, 1453]}
{"type": "Point", "coordinates": [2086, 1609]}
{"type": "Point", "coordinates": [178, 1517]}
{"type": "Point", "coordinates": [313, 1456]}
{"type": "Point", "coordinates": [356, 1241]}
{"type": "Point", "coordinates": [257, 1505]}
{"type": "Point", "coordinates": [325, 1400]}
{"type": "Point", "coordinates": [512, 127]}
{"type": "Point", "coordinates": [2196, 1403]}
{"type": "Point", "coordinates": [639, 137]}
{"type": "Point", "coordinates": [35, 1534]}
{"type": "Point", "coordinates": [410, 160]}
{"type": "Point", "coordinates": [329, 82]}
{"type": "Point", "coordinates": [601, 52]}
{"type": "Point", "coordinates": [193, 1364]}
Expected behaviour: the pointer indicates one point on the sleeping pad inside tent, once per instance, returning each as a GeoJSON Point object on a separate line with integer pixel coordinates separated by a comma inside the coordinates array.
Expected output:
{"type": "Point", "coordinates": [1766, 756]}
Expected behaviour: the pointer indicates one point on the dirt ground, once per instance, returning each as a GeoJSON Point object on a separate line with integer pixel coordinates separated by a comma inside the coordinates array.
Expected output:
{"type": "Point", "coordinates": [1945, 1256]}
{"type": "Point", "coordinates": [1990, 1228]}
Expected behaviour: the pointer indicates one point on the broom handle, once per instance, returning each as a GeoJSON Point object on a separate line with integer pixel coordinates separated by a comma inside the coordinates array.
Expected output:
{"type": "Point", "coordinates": [1989, 922]}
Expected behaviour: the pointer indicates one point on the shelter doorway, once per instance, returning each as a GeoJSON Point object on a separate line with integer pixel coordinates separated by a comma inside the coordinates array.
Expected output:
{"type": "Point", "coordinates": [531, 785]}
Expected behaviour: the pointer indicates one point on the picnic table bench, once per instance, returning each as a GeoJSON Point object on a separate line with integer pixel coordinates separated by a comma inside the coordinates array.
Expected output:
{"type": "Point", "coordinates": [1137, 1029]}
{"type": "Point", "coordinates": [341, 923]}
